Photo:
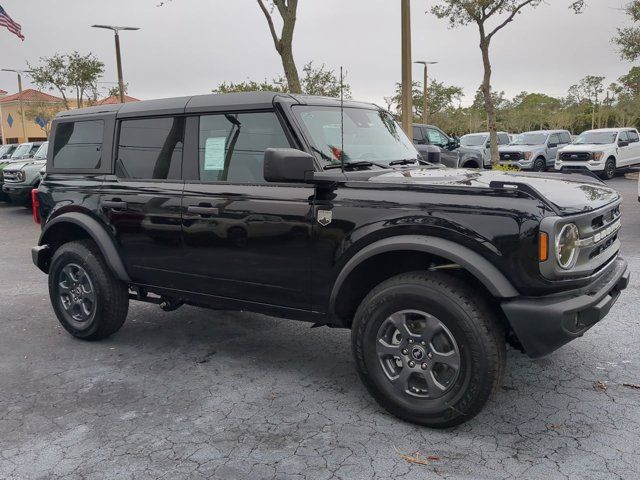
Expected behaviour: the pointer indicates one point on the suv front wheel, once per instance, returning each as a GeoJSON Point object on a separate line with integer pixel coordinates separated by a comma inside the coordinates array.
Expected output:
{"type": "Point", "coordinates": [89, 301]}
{"type": "Point", "coordinates": [428, 348]}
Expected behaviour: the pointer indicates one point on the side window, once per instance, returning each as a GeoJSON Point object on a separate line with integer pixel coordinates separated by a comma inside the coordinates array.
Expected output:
{"type": "Point", "coordinates": [418, 136]}
{"type": "Point", "coordinates": [633, 136]}
{"type": "Point", "coordinates": [232, 145]}
{"type": "Point", "coordinates": [437, 138]}
{"type": "Point", "coordinates": [78, 145]}
{"type": "Point", "coordinates": [554, 139]}
{"type": "Point", "coordinates": [565, 138]}
{"type": "Point", "coordinates": [503, 139]}
{"type": "Point", "coordinates": [150, 148]}
{"type": "Point", "coordinates": [623, 136]}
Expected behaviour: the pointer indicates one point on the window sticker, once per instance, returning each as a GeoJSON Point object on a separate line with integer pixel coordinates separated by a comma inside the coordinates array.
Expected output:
{"type": "Point", "coordinates": [214, 153]}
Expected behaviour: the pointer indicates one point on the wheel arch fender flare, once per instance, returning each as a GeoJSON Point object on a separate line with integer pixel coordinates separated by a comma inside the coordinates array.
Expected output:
{"type": "Point", "coordinates": [481, 268]}
{"type": "Point", "coordinates": [97, 232]}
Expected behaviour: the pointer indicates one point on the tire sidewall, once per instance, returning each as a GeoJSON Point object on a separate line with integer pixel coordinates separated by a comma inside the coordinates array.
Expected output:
{"type": "Point", "coordinates": [64, 256]}
{"type": "Point", "coordinates": [540, 165]}
{"type": "Point", "coordinates": [458, 400]}
{"type": "Point", "coordinates": [609, 170]}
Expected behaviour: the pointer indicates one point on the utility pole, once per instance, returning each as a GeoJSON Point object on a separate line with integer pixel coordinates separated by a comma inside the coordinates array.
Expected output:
{"type": "Point", "coordinates": [24, 123]}
{"type": "Point", "coordinates": [407, 81]}
{"type": "Point", "coordinates": [425, 108]}
{"type": "Point", "coordinates": [116, 31]}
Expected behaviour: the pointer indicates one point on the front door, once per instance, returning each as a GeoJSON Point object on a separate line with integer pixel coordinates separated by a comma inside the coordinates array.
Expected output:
{"type": "Point", "coordinates": [245, 239]}
{"type": "Point", "coordinates": [142, 201]}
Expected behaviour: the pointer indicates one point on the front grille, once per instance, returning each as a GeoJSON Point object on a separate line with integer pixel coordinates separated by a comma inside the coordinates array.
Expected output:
{"type": "Point", "coordinates": [575, 156]}
{"type": "Point", "coordinates": [511, 156]}
{"type": "Point", "coordinates": [10, 177]}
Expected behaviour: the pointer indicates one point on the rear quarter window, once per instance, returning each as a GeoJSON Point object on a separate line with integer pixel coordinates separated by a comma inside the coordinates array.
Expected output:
{"type": "Point", "coordinates": [78, 145]}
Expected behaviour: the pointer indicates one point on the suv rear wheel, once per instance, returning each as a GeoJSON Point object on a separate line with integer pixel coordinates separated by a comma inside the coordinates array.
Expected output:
{"type": "Point", "coordinates": [89, 301]}
{"type": "Point", "coordinates": [429, 349]}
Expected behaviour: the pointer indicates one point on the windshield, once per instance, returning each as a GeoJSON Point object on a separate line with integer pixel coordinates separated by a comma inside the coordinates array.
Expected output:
{"type": "Point", "coordinates": [596, 138]}
{"type": "Point", "coordinates": [473, 140]}
{"type": "Point", "coordinates": [531, 139]}
{"type": "Point", "coordinates": [3, 149]}
{"type": "Point", "coordinates": [41, 154]}
{"type": "Point", "coordinates": [8, 150]}
{"type": "Point", "coordinates": [369, 135]}
{"type": "Point", "coordinates": [21, 151]}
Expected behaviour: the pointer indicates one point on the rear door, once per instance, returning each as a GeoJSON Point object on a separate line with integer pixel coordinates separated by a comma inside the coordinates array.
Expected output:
{"type": "Point", "coordinates": [142, 199]}
{"type": "Point", "coordinates": [245, 239]}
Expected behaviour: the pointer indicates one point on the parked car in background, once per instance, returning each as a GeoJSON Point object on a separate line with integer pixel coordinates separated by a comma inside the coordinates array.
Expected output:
{"type": "Point", "coordinates": [22, 177]}
{"type": "Point", "coordinates": [602, 150]}
{"type": "Point", "coordinates": [21, 152]}
{"type": "Point", "coordinates": [429, 140]}
{"type": "Point", "coordinates": [7, 150]}
{"type": "Point", "coordinates": [535, 150]}
{"type": "Point", "coordinates": [475, 149]}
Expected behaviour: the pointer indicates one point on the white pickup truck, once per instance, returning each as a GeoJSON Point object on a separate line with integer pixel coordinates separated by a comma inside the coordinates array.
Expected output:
{"type": "Point", "coordinates": [603, 151]}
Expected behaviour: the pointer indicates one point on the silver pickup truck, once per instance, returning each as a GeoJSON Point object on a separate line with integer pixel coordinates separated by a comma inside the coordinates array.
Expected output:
{"type": "Point", "coordinates": [475, 149]}
{"type": "Point", "coordinates": [535, 150]}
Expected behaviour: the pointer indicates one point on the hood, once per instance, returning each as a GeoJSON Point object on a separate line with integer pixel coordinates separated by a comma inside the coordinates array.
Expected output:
{"type": "Point", "coordinates": [519, 148]}
{"type": "Point", "coordinates": [15, 166]}
{"type": "Point", "coordinates": [587, 147]}
{"type": "Point", "coordinates": [567, 193]}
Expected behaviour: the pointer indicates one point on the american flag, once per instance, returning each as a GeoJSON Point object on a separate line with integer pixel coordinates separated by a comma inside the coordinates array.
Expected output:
{"type": "Point", "coordinates": [7, 21]}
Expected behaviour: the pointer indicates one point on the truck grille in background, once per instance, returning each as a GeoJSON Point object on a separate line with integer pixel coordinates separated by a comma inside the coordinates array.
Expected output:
{"type": "Point", "coordinates": [510, 156]}
{"type": "Point", "coordinates": [10, 177]}
{"type": "Point", "coordinates": [575, 156]}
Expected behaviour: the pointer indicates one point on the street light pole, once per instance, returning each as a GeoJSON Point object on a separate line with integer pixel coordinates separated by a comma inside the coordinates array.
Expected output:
{"type": "Point", "coordinates": [425, 108]}
{"type": "Point", "coordinates": [24, 123]}
{"type": "Point", "coordinates": [407, 82]}
{"type": "Point", "coordinates": [116, 31]}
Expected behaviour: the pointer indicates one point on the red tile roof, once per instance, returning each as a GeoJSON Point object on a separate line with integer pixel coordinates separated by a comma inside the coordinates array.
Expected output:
{"type": "Point", "coordinates": [31, 95]}
{"type": "Point", "coordinates": [113, 99]}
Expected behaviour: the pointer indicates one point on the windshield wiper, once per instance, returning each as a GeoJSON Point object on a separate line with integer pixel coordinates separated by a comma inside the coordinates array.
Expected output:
{"type": "Point", "coordinates": [405, 161]}
{"type": "Point", "coordinates": [358, 164]}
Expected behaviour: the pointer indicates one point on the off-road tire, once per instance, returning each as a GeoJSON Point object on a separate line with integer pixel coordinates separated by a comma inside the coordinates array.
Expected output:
{"type": "Point", "coordinates": [472, 322]}
{"type": "Point", "coordinates": [111, 295]}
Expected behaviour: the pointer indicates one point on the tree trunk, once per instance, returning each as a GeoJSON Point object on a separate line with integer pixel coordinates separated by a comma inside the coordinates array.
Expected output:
{"type": "Point", "coordinates": [489, 107]}
{"type": "Point", "coordinates": [290, 69]}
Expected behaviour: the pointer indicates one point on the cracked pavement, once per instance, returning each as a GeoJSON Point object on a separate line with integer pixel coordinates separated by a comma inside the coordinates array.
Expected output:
{"type": "Point", "coordinates": [205, 394]}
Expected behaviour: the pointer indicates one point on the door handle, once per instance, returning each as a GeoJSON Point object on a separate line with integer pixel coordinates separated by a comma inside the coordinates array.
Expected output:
{"type": "Point", "coordinates": [116, 204]}
{"type": "Point", "coordinates": [203, 210]}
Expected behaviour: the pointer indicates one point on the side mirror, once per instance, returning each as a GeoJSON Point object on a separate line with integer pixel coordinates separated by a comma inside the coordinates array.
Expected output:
{"type": "Point", "coordinates": [552, 145]}
{"type": "Point", "coordinates": [287, 165]}
{"type": "Point", "coordinates": [623, 143]}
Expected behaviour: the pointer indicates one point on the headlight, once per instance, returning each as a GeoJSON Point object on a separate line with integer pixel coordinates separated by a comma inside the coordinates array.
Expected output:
{"type": "Point", "coordinates": [20, 176]}
{"type": "Point", "coordinates": [567, 246]}
{"type": "Point", "coordinates": [527, 155]}
{"type": "Point", "coordinates": [598, 155]}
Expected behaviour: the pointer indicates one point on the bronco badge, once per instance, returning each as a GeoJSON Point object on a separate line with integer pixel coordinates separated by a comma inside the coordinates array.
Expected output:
{"type": "Point", "coordinates": [324, 217]}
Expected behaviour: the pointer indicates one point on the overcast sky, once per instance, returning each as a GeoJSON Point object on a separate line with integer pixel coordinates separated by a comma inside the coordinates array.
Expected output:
{"type": "Point", "coordinates": [189, 46]}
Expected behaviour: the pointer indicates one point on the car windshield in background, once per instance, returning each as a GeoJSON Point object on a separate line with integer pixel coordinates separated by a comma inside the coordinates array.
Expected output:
{"type": "Point", "coordinates": [21, 151]}
{"type": "Point", "coordinates": [530, 139]}
{"type": "Point", "coordinates": [41, 154]}
{"type": "Point", "coordinates": [473, 140]}
{"type": "Point", "coordinates": [369, 135]}
{"type": "Point", "coordinates": [596, 138]}
{"type": "Point", "coordinates": [3, 149]}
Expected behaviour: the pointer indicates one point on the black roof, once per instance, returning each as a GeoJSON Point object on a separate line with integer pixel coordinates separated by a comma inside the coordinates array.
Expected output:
{"type": "Point", "coordinates": [210, 103]}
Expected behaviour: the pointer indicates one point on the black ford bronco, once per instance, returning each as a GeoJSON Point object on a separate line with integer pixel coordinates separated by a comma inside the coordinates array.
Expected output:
{"type": "Point", "coordinates": [303, 208]}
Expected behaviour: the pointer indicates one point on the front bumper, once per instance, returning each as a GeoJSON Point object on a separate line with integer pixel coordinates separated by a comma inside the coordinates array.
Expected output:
{"type": "Point", "coordinates": [521, 164]}
{"type": "Point", "coordinates": [544, 324]}
{"type": "Point", "coordinates": [594, 166]}
{"type": "Point", "coordinates": [18, 193]}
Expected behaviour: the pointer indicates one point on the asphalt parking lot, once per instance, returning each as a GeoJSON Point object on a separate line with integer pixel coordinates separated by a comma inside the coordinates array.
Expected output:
{"type": "Point", "coordinates": [203, 394]}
